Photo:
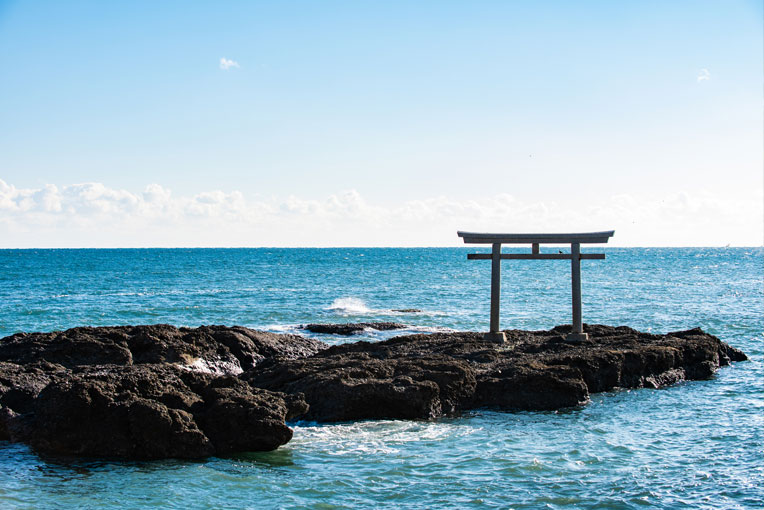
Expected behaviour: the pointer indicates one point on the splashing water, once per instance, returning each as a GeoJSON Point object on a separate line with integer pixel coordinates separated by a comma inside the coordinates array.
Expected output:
{"type": "Point", "coordinates": [349, 306]}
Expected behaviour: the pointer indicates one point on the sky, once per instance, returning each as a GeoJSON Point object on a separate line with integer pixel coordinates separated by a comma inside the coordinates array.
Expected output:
{"type": "Point", "coordinates": [397, 123]}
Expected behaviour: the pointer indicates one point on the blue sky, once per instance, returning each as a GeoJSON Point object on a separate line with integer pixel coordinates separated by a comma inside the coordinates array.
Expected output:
{"type": "Point", "coordinates": [379, 123]}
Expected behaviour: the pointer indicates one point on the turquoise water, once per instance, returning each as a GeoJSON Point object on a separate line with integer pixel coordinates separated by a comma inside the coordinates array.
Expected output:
{"type": "Point", "coordinates": [693, 445]}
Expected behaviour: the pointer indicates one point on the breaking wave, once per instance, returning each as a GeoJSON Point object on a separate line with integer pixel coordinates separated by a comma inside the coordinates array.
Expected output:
{"type": "Point", "coordinates": [356, 306]}
{"type": "Point", "coordinates": [349, 306]}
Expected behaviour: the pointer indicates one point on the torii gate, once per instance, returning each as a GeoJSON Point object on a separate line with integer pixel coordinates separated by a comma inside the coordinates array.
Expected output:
{"type": "Point", "coordinates": [575, 256]}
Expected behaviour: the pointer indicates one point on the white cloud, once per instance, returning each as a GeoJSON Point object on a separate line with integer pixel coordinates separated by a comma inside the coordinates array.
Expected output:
{"type": "Point", "coordinates": [703, 75]}
{"type": "Point", "coordinates": [95, 215]}
{"type": "Point", "coordinates": [226, 64]}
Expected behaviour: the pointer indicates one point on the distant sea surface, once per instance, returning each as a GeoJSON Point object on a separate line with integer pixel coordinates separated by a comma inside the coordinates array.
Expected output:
{"type": "Point", "coordinates": [697, 445]}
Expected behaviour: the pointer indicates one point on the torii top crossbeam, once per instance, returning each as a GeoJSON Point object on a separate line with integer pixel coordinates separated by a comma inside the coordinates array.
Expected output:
{"type": "Point", "coordinates": [581, 237]}
{"type": "Point", "coordinates": [574, 239]}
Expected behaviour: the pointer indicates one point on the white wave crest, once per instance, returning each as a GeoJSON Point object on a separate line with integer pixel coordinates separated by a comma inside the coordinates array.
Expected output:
{"type": "Point", "coordinates": [284, 329]}
{"type": "Point", "coordinates": [356, 306]}
{"type": "Point", "coordinates": [377, 436]}
{"type": "Point", "coordinates": [430, 329]}
{"type": "Point", "coordinates": [349, 306]}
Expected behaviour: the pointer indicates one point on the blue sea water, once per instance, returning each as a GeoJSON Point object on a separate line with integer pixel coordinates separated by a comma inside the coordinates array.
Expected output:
{"type": "Point", "coordinates": [693, 445]}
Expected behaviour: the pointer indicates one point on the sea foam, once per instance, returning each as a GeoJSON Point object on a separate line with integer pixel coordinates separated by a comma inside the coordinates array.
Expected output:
{"type": "Point", "coordinates": [357, 306]}
{"type": "Point", "coordinates": [349, 306]}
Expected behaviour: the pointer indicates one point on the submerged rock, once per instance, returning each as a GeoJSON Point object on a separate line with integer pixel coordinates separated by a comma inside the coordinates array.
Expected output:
{"type": "Point", "coordinates": [351, 328]}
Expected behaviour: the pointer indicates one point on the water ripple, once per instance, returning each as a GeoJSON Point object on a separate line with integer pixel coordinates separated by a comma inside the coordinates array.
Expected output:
{"type": "Point", "coordinates": [697, 445]}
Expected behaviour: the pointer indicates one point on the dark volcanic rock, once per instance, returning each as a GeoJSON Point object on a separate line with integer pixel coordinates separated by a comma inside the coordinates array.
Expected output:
{"type": "Point", "coordinates": [352, 328]}
{"type": "Point", "coordinates": [341, 388]}
{"type": "Point", "coordinates": [145, 391]}
{"type": "Point", "coordinates": [153, 411]}
{"type": "Point", "coordinates": [532, 386]}
{"type": "Point", "coordinates": [423, 376]}
{"type": "Point", "coordinates": [160, 391]}
{"type": "Point", "coordinates": [20, 384]}
{"type": "Point", "coordinates": [6, 416]}
{"type": "Point", "coordinates": [407, 310]}
{"type": "Point", "coordinates": [217, 349]}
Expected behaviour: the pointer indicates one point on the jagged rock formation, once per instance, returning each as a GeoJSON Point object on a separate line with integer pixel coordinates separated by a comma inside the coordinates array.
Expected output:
{"type": "Point", "coordinates": [160, 391]}
{"type": "Point", "coordinates": [426, 376]}
{"type": "Point", "coordinates": [145, 391]}
{"type": "Point", "coordinates": [218, 349]}
{"type": "Point", "coordinates": [154, 411]}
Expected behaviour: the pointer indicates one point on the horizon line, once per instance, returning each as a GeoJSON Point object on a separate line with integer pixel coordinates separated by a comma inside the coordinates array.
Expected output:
{"type": "Point", "coordinates": [470, 247]}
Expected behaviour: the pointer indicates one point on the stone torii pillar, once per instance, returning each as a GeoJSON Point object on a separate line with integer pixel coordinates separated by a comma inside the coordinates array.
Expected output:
{"type": "Point", "coordinates": [575, 240]}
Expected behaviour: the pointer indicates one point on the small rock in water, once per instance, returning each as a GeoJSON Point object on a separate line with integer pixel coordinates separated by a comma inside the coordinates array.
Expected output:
{"type": "Point", "coordinates": [407, 310]}
{"type": "Point", "coordinates": [351, 328]}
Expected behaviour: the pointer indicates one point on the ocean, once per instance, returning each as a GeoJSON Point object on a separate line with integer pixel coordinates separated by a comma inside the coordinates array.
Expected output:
{"type": "Point", "coordinates": [693, 445]}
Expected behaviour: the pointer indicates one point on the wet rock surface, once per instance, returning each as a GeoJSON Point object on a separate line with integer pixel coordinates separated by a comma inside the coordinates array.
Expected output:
{"type": "Point", "coordinates": [158, 391]}
{"type": "Point", "coordinates": [351, 328]}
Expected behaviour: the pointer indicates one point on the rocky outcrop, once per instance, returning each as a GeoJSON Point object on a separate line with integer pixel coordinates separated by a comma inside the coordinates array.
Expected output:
{"type": "Point", "coordinates": [153, 411]}
{"type": "Point", "coordinates": [217, 349]}
{"type": "Point", "coordinates": [160, 391]}
{"type": "Point", "coordinates": [425, 376]}
{"type": "Point", "coordinates": [351, 328]}
{"type": "Point", "coordinates": [359, 386]}
{"type": "Point", "coordinates": [145, 391]}
{"type": "Point", "coordinates": [20, 384]}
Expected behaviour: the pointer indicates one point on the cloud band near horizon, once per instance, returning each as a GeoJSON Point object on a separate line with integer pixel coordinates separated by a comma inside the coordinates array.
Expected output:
{"type": "Point", "coordinates": [95, 215]}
